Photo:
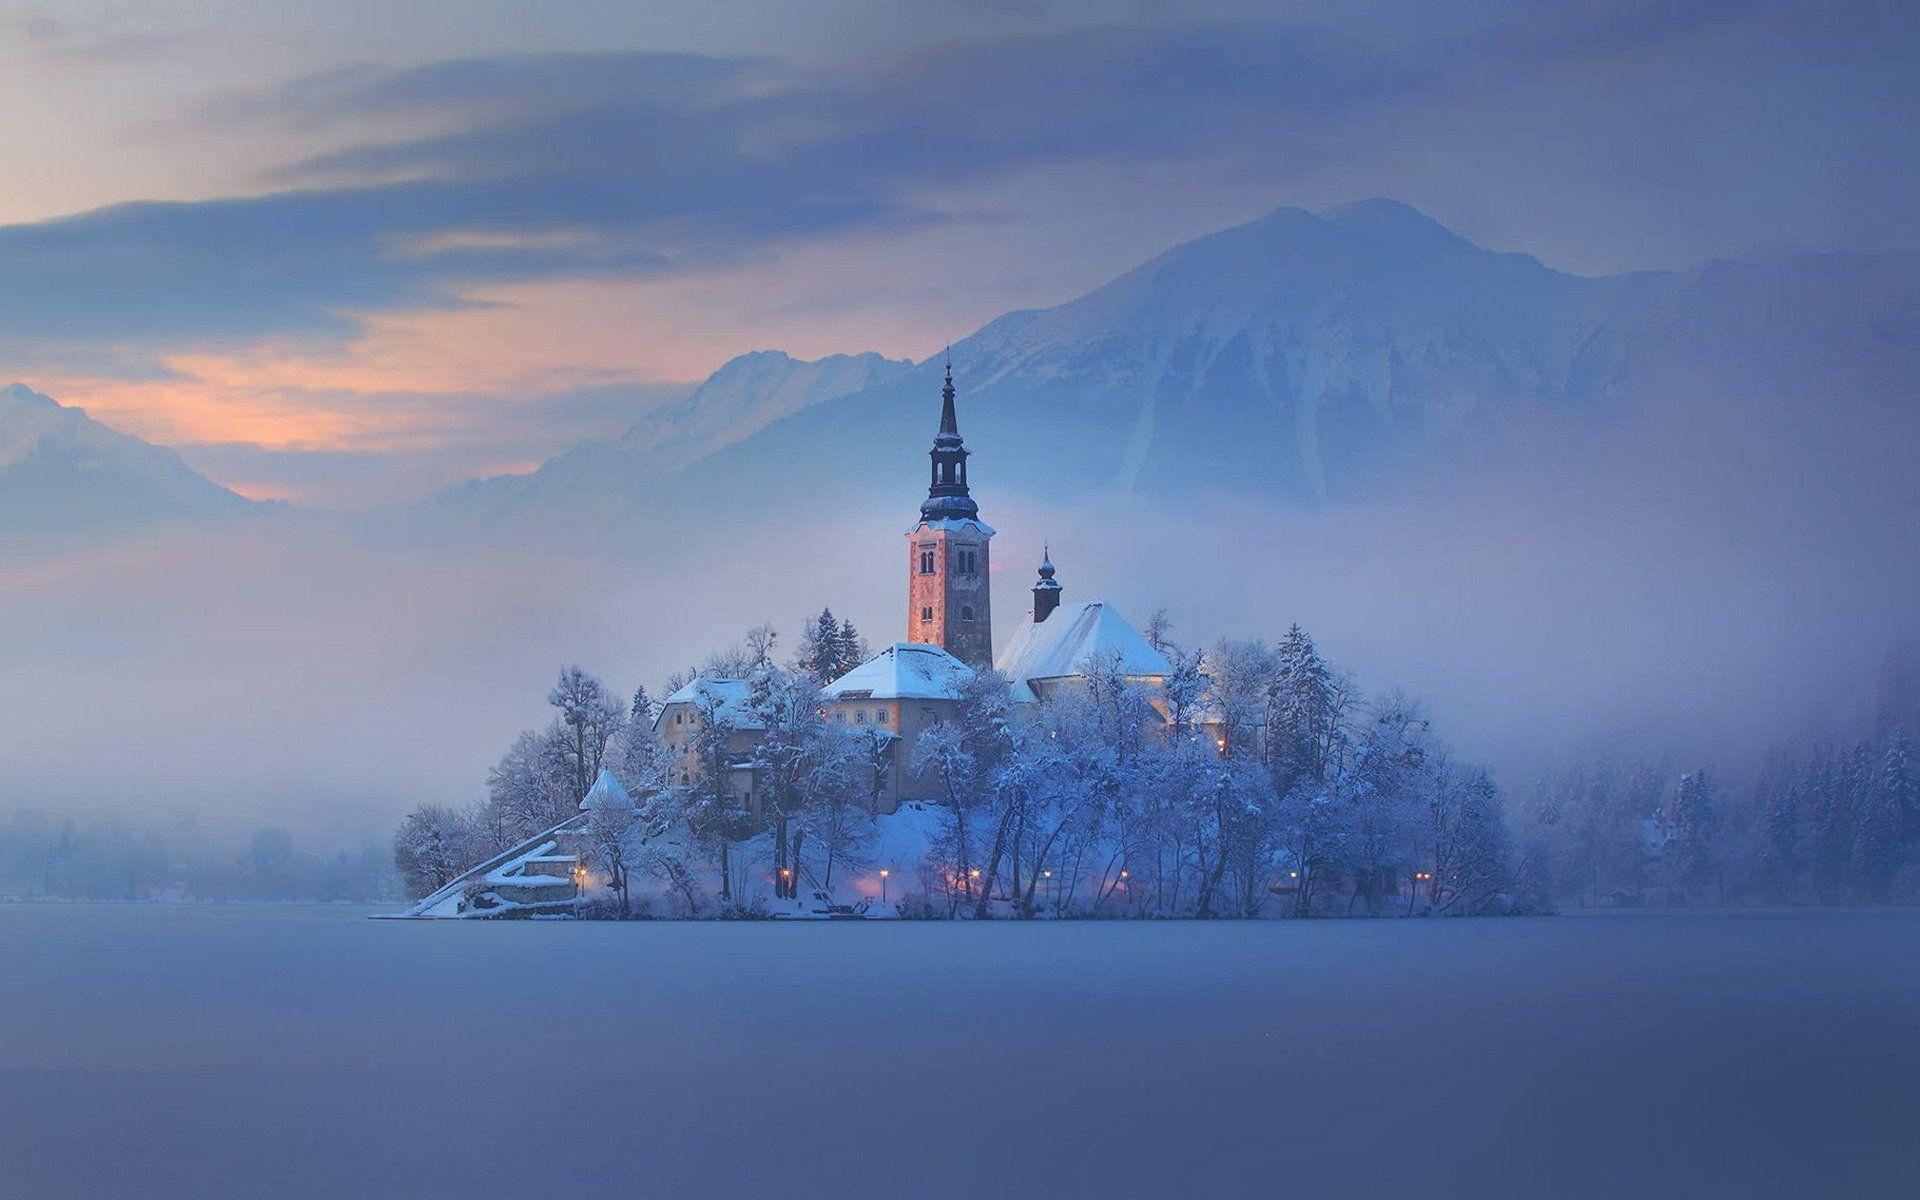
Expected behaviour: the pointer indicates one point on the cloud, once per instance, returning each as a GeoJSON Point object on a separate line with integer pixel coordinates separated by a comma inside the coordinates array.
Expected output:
{"type": "Point", "coordinates": [390, 449]}
{"type": "Point", "coordinates": [632, 165]}
{"type": "Point", "coordinates": [38, 36]}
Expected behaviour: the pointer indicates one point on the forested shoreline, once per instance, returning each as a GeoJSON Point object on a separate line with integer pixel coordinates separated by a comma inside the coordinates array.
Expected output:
{"type": "Point", "coordinates": [119, 858]}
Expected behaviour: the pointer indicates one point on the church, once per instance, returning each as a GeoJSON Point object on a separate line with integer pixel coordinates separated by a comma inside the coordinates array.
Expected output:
{"type": "Point", "coordinates": [913, 684]}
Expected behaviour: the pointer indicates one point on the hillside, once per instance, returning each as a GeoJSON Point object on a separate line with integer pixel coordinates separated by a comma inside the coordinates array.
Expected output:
{"type": "Point", "coordinates": [64, 477]}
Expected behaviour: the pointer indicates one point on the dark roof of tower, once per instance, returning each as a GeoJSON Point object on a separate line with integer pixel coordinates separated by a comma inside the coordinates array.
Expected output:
{"type": "Point", "coordinates": [1046, 570]}
{"type": "Point", "coordinates": [949, 422]}
{"type": "Point", "coordinates": [948, 500]}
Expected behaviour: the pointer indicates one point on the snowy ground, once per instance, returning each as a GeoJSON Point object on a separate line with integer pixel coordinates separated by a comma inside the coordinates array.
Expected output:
{"type": "Point", "coordinates": [245, 1051]}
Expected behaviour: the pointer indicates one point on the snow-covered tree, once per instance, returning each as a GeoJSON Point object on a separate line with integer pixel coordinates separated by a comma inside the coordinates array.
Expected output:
{"type": "Point", "coordinates": [942, 749]}
{"type": "Point", "coordinates": [1691, 852]}
{"type": "Point", "coordinates": [639, 760]}
{"type": "Point", "coordinates": [591, 718]}
{"type": "Point", "coordinates": [1159, 631]}
{"type": "Point", "coordinates": [432, 846]}
{"type": "Point", "coordinates": [530, 788]}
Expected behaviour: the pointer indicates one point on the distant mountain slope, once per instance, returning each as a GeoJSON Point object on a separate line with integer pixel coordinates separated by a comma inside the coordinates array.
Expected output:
{"type": "Point", "coordinates": [1279, 357]}
{"type": "Point", "coordinates": [1282, 360]}
{"type": "Point", "coordinates": [747, 394]}
{"type": "Point", "coordinates": [744, 396]}
{"type": "Point", "coordinates": [64, 475]}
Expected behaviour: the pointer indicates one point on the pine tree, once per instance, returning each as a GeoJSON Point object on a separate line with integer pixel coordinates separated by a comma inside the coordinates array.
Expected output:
{"type": "Point", "coordinates": [1901, 787]}
{"type": "Point", "coordinates": [1780, 845]}
{"type": "Point", "coordinates": [1692, 857]}
{"type": "Point", "coordinates": [850, 649]}
{"type": "Point", "coordinates": [1303, 719]}
{"type": "Point", "coordinates": [828, 648]}
{"type": "Point", "coordinates": [1876, 846]}
{"type": "Point", "coordinates": [1831, 845]}
{"type": "Point", "coordinates": [640, 760]}
{"type": "Point", "coordinates": [818, 653]}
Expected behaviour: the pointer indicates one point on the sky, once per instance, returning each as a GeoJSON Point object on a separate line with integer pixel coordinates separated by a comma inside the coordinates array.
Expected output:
{"type": "Point", "coordinates": [348, 254]}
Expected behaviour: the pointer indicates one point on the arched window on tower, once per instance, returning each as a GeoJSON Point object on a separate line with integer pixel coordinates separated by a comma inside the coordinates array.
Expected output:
{"type": "Point", "coordinates": [926, 614]}
{"type": "Point", "coordinates": [966, 612]}
{"type": "Point", "coordinates": [926, 561]}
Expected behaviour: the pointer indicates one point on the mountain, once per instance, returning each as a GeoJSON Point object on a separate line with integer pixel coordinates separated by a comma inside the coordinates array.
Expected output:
{"type": "Point", "coordinates": [1287, 359]}
{"type": "Point", "coordinates": [65, 476]}
{"type": "Point", "coordinates": [1283, 355]}
{"type": "Point", "coordinates": [744, 396]}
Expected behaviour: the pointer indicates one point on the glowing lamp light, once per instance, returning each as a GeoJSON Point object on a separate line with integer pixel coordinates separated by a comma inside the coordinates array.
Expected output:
{"type": "Point", "coordinates": [884, 872]}
{"type": "Point", "coordinates": [1126, 874]}
{"type": "Point", "coordinates": [974, 874]}
{"type": "Point", "coordinates": [784, 873]}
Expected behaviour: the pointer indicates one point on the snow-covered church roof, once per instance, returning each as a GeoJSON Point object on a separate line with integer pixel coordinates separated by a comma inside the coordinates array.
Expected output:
{"type": "Point", "coordinates": [1066, 642]}
{"type": "Point", "coordinates": [902, 671]}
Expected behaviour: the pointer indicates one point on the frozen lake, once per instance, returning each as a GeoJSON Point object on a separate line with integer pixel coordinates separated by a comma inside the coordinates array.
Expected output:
{"type": "Point", "coordinates": [289, 1052]}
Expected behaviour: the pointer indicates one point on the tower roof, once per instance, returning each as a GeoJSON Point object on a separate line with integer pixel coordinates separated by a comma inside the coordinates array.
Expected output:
{"type": "Point", "coordinates": [1047, 570]}
{"type": "Point", "coordinates": [947, 495]}
{"type": "Point", "coordinates": [949, 422]}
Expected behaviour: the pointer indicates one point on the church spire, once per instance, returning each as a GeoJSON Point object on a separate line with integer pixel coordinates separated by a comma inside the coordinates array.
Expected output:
{"type": "Point", "coordinates": [947, 495]}
{"type": "Point", "coordinates": [1046, 592]}
{"type": "Point", "coordinates": [949, 424]}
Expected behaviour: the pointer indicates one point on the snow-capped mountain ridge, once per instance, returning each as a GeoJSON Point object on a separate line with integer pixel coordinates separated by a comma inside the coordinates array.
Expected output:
{"type": "Point", "coordinates": [748, 393]}
{"type": "Point", "coordinates": [1282, 359]}
{"type": "Point", "coordinates": [744, 396]}
{"type": "Point", "coordinates": [65, 475]}
{"type": "Point", "coordinates": [1282, 355]}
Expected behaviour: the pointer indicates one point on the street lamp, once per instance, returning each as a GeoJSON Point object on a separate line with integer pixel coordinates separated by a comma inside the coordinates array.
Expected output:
{"type": "Point", "coordinates": [883, 884]}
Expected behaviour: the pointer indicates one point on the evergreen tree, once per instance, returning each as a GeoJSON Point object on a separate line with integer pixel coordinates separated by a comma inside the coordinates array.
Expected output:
{"type": "Point", "coordinates": [1779, 865]}
{"type": "Point", "coordinates": [640, 760]}
{"type": "Point", "coordinates": [850, 648]}
{"type": "Point", "coordinates": [1830, 848]}
{"type": "Point", "coordinates": [828, 647]}
{"type": "Point", "coordinates": [1876, 846]}
{"type": "Point", "coordinates": [818, 651]}
{"type": "Point", "coordinates": [1304, 721]}
{"type": "Point", "coordinates": [1901, 788]}
{"type": "Point", "coordinates": [1691, 850]}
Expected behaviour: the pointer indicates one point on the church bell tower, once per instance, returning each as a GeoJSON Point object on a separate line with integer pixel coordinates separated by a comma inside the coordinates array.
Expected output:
{"type": "Point", "coordinates": [948, 602]}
